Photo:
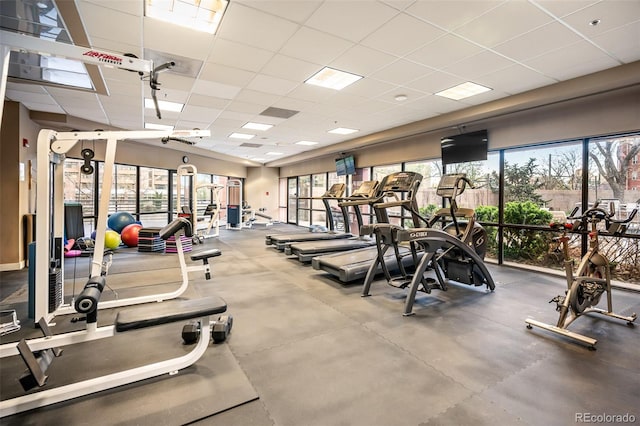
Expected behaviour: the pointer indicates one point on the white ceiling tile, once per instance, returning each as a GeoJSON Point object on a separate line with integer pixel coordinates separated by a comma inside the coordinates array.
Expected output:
{"type": "Point", "coordinates": [225, 75]}
{"type": "Point", "coordinates": [268, 84]}
{"type": "Point", "coordinates": [338, 17]}
{"type": "Point", "coordinates": [623, 42]}
{"type": "Point", "coordinates": [237, 55]}
{"type": "Point", "coordinates": [308, 92]}
{"type": "Point", "coordinates": [362, 60]}
{"type": "Point", "coordinates": [562, 8]}
{"type": "Point", "coordinates": [218, 90]}
{"type": "Point", "coordinates": [191, 124]}
{"type": "Point", "coordinates": [402, 34]}
{"type": "Point", "coordinates": [401, 72]}
{"type": "Point", "coordinates": [245, 107]}
{"type": "Point", "coordinates": [185, 42]}
{"type": "Point", "coordinates": [483, 63]}
{"type": "Point", "coordinates": [196, 113]}
{"type": "Point", "coordinates": [504, 22]}
{"type": "Point", "coordinates": [315, 46]}
{"type": "Point", "coordinates": [40, 97]}
{"type": "Point", "coordinates": [257, 28]}
{"type": "Point", "coordinates": [611, 13]}
{"type": "Point", "coordinates": [449, 14]}
{"type": "Point", "coordinates": [293, 10]}
{"type": "Point", "coordinates": [515, 79]}
{"type": "Point", "coordinates": [95, 16]}
{"type": "Point", "coordinates": [256, 97]}
{"type": "Point", "coordinates": [572, 61]}
{"type": "Point", "coordinates": [536, 42]}
{"type": "Point", "coordinates": [369, 87]}
{"type": "Point", "coordinates": [444, 51]}
{"type": "Point", "coordinates": [44, 107]}
{"type": "Point", "coordinates": [135, 8]}
{"type": "Point", "coordinates": [435, 82]}
{"type": "Point", "coordinates": [289, 68]}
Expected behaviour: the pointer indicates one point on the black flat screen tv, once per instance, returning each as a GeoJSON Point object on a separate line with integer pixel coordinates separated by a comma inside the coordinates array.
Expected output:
{"type": "Point", "coordinates": [465, 147]}
{"type": "Point", "coordinates": [345, 166]}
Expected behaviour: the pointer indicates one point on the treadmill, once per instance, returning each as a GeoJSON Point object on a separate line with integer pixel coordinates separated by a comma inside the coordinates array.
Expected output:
{"type": "Point", "coordinates": [366, 194]}
{"type": "Point", "coordinates": [353, 265]}
{"type": "Point", "coordinates": [334, 193]}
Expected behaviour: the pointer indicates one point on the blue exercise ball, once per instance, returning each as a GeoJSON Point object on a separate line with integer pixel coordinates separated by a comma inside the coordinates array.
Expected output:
{"type": "Point", "coordinates": [118, 220]}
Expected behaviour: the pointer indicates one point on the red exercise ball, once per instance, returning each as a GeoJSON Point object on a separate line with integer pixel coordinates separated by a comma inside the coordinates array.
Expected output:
{"type": "Point", "coordinates": [129, 234]}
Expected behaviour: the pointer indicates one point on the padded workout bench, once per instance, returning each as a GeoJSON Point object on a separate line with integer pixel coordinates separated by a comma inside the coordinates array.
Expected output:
{"type": "Point", "coordinates": [129, 319]}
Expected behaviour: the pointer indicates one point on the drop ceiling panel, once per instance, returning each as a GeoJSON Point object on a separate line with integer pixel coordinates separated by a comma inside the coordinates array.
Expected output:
{"type": "Point", "coordinates": [538, 41]}
{"type": "Point", "coordinates": [504, 22]}
{"type": "Point", "coordinates": [237, 55]}
{"type": "Point", "coordinates": [620, 42]}
{"type": "Point", "coordinates": [369, 87]}
{"type": "Point", "coordinates": [402, 34]}
{"type": "Point", "coordinates": [40, 97]}
{"type": "Point", "coordinates": [315, 46]}
{"type": "Point", "coordinates": [226, 75]}
{"type": "Point", "coordinates": [611, 15]}
{"type": "Point", "coordinates": [135, 8]}
{"type": "Point", "coordinates": [571, 61]}
{"type": "Point", "coordinates": [195, 113]}
{"type": "Point", "coordinates": [197, 99]}
{"type": "Point", "coordinates": [338, 17]}
{"type": "Point", "coordinates": [218, 90]}
{"type": "Point", "coordinates": [435, 82]}
{"type": "Point", "coordinates": [562, 8]}
{"type": "Point", "coordinates": [448, 14]}
{"type": "Point", "coordinates": [444, 51]}
{"type": "Point", "coordinates": [258, 29]}
{"type": "Point", "coordinates": [260, 98]}
{"type": "Point", "coordinates": [401, 71]}
{"type": "Point", "coordinates": [108, 23]}
{"type": "Point", "coordinates": [483, 63]}
{"type": "Point", "coordinates": [293, 10]}
{"type": "Point", "coordinates": [515, 79]}
{"type": "Point", "coordinates": [273, 85]}
{"type": "Point", "coordinates": [184, 42]}
{"type": "Point", "coordinates": [362, 60]}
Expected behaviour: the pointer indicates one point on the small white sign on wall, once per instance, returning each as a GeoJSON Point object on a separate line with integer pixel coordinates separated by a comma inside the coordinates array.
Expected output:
{"type": "Point", "coordinates": [22, 172]}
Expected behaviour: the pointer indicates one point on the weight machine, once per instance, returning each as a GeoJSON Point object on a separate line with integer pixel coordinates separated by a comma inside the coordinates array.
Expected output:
{"type": "Point", "coordinates": [49, 266]}
{"type": "Point", "coordinates": [187, 202]}
{"type": "Point", "coordinates": [235, 206]}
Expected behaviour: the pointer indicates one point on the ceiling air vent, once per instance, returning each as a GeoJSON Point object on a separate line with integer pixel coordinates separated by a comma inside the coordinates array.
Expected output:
{"type": "Point", "coordinates": [279, 112]}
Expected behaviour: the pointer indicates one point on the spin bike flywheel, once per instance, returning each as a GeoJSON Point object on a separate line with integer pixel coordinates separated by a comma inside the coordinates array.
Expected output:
{"type": "Point", "coordinates": [588, 293]}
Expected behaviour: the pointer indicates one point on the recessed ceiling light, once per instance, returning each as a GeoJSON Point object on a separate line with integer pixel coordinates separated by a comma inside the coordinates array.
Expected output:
{"type": "Point", "coordinates": [241, 136]}
{"type": "Point", "coordinates": [308, 143]}
{"type": "Point", "coordinates": [274, 153]}
{"type": "Point", "coordinates": [463, 90]}
{"type": "Point", "coordinates": [401, 98]}
{"type": "Point", "coordinates": [257, 126]}
{"type": "Point", "coordinates": [343, 131]}
{"type": "Point", "coordinates": [164, 105]}
{"type": "Point", "coordinates": [333, 79]}
{"type": "Point", "coordinates": [154, 126]}
{"type": "Point", "coordinates": [202, 16]}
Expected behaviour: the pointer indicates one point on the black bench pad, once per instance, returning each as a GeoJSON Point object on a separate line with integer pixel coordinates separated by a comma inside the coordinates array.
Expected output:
{"type": "Point", "coordinates": [169, 311]}
{"type": "Point", "coordinates": [205, 254]}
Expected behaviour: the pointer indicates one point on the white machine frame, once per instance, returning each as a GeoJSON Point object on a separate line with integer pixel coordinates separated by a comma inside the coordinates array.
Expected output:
{"type": "Point", "coordinates": [51, 149]}
{"type": "Point", "coordinates": [189, 170]}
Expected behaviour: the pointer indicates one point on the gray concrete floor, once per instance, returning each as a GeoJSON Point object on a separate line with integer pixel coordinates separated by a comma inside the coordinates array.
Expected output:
{"type": "Point", "coordinates": [317, 353]}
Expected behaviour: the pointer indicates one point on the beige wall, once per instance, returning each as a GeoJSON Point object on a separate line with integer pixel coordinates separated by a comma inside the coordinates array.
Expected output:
{"type": "Point", "coordinates": [261, 189]}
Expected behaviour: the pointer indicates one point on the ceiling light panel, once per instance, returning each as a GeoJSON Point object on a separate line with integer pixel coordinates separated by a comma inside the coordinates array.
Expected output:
{"type": "Point", "coordinates": [273, 153]}
{"type": "Point", "coordinates": [203, 15]}
{"type": "Point", "coordinates": [241, 136]}
{"type": "Point", "coordinates": [306, 143]}
{"type": "Point", "coordinates": [154, 126]}
{"type": "Point", "coordinates": [164, 105]}
{"type": "Point", "coordinates": [463, 90]}
{"type": "Point", "coordinates": [333, 79]}
{"type": "Point", "coordinates": [342, 131]}
{"type": "Point", "coordinates": [257, 126]}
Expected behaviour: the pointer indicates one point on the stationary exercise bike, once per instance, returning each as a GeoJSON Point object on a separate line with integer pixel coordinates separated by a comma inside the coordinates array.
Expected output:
{"type": "Point", "coordinates": [592, 277]}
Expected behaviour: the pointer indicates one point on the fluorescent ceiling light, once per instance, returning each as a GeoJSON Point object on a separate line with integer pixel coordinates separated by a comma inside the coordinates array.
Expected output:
{"type": "Point", "coordinates": [164, 105]}
{"type": "Point", "coordinates": [257, 126]}
{"type": "Point", "coordinates": [308, 143]}
{"type": "Point", "coordinates": [65, 71]}
{"type": "Point", "coordinates": [203, 15]}
{"type": "Point", "coordinates": [241, 136]}
{"type": "Point", "coordinates": [342, 131]}
{"type": "Point", "coordinates": [154, 126]}
{"type": "Point", "coordinates": [333, 79]}
{"type": "Point", "coordinates": [463, 90]}
{"type": "Point", "coordinates": [259, 160]}
{"type": "Point", "coordinates": [274, 153]}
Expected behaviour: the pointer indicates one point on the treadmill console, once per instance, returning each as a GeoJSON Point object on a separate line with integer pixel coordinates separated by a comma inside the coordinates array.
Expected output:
{"type": "Point", "coordinates": [336, 191]}
{"type": "Point", "coordinates": [401, 181]}
{"type": "Point", "coordinates": [367, 189]}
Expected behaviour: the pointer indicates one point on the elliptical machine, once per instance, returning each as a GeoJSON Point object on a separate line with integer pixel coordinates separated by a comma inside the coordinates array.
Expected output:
{"type": "Point", "coordinates": [592, 277]}
{"type": "Point", "coordinates": [455, 252]}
